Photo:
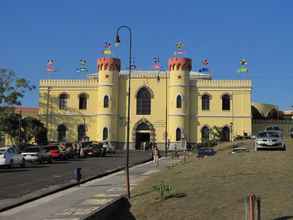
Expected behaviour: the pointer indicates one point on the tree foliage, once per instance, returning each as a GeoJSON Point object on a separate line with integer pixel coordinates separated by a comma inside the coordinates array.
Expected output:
{"type": "Point", "coordinates": [12, 89]}
{"type": "Point", "coordinates": [23, 130]}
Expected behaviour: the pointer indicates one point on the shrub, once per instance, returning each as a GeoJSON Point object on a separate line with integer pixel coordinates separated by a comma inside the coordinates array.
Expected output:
{"type": "Point", "coordinates": [164, 190]}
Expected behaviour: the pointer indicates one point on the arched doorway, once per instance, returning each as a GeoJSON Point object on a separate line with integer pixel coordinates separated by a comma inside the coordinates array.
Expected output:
{"type": "Point", "coordinates": [226, 133]}
{"type": "Point", "coordinates": [142, 136]}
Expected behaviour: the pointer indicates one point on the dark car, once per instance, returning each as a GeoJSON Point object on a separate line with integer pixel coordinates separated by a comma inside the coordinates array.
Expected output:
{"type": "Point", "coordinates": [68, 150]}
{"type": "Point", "coordinates": [95, 150]}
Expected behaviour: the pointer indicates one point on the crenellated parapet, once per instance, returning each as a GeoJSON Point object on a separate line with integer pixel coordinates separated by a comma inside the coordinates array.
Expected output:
{"type": "Point", "coordinates": [89, 83]}
{"type": "Point", "coordinates": [179, 64]}
{"type": "Point", "coordinates": [223, 84]}
{"type": "Point", "coordinates": [108, 64]}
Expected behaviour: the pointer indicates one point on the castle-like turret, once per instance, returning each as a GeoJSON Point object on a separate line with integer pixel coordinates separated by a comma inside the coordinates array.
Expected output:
{"type": "Point", "coordinates": [178, 99]}
{"type": "Point", "coordinates": [108, 73]}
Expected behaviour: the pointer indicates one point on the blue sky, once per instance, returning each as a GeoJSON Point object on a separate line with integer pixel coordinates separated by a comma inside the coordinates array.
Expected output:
{"type": "Point", "coordinates": [33, 31]}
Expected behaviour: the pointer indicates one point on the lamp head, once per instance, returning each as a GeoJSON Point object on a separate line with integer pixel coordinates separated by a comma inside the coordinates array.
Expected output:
{"type": "Point", "coordinates": [117, 40]}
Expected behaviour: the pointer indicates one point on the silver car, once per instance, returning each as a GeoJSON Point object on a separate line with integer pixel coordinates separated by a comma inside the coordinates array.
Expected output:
{"type": "Point", "coordinates": [269, 140]}
{"type": "Point", "coordinates": [36, 154]}
{"type": "Point", "coordinates": [10, 157]}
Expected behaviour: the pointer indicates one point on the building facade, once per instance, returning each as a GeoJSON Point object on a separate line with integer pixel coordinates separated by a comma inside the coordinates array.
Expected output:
{"type": "Point", "coordinates": [166, 106]}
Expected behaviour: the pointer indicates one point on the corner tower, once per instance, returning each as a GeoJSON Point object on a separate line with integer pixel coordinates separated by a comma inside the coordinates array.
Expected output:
{"type": "Point", "coordinates": [108, 73]}
{"type": "Point", "coordinates": [178, 99]}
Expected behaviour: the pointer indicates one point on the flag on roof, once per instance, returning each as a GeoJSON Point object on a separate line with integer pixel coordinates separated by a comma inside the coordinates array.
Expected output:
{"type": "Point", "coordinates": [50, 66]}
{"type": "Point", "coordinates": [179, 48]}
{"type": "Point", "coordinates": [82, 66]}
{"type": "Point", "coordinates": [156, 63]}
{"type": "Point", "coordinates": [107, 48]}
{"type": "Point", "coordinates": [243, 66]}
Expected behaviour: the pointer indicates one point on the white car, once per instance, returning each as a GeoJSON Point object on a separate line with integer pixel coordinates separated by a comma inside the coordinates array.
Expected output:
{"type": "Point", "coordinates": [275, 128]}
{"type": "Point", "coordinates": [269, 140]}
{"type": "Point", "coordinates": [10, 157]}
{"type": "Point", "coordinates": [37, 154]}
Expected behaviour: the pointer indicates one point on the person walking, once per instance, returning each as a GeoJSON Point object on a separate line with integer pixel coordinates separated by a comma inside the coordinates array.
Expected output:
{"type": "Point", "coordinates": [156, 155]}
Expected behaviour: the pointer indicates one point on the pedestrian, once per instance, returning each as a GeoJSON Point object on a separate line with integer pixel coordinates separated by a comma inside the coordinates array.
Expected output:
{"type": "Point", "coordinates": [156, 155]}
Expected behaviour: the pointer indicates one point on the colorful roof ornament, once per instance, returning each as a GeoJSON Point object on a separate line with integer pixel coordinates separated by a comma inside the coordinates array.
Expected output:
{"type": "Point", "coordinates": [179, 48]}
{"type": "Point", "coordinates": [107, 48]}
{"type": "Point", "coordinates": [156, 63]}
{"type": "Point", "coordinates": [243, 66]}
{"type": "Point", "coordinates": [50, 66]}
{"type": "Point", "coordinates": [82, 66]}
{"type": "Point", "coordinates": [204, 66]}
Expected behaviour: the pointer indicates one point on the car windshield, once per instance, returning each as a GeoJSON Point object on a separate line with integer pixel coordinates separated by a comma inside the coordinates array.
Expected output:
{"type": "Point", "coordinates": [2, 151]}
{"type": "Point", "coordinates": [262, 135]}
{"type": "Point", "coordinates": [35, 149]}
{"type": "Point", "coordinates": [273, 129]}
{"type": "Point", "coordinates": [273, 134]}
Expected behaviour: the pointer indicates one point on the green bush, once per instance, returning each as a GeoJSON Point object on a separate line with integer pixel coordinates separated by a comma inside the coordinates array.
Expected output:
{"type": "Point", "coordinates": [164, 190]}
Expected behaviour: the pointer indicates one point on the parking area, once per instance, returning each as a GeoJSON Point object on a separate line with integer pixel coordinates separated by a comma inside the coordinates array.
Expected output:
{"type": "Point", "coordinates": [18, 182]}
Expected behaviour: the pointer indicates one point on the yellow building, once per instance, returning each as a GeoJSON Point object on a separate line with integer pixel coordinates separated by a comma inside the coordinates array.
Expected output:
{"type": "Point", "coordinates": [172, 106]}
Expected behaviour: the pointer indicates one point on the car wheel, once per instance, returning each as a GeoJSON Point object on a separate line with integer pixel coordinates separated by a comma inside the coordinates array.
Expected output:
{"type": "Point", "coordinates": [50, 160]}
{"type": "Point", "coordinates": [22, 165]}
{"type": "Point", "coordinates": [284, 148]}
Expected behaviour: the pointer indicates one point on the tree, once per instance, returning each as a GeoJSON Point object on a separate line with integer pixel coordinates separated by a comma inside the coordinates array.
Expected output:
{"type": "Point", "coordinates": [23, 130]}
{"type": "Point", "coordinates": [12, 90]}
{"type": "Point", "coordinates": [10, 125]}
{"type": "Point", "coordinates": [33, 128]}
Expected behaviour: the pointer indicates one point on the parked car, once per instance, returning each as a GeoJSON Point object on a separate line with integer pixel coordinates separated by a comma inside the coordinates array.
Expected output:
{"type": "Point", "coordinates": [95, 150]}
{"type": "Point", "coordinates": [37, 154]}
{"type": "Point", "coordinates": [275, 129]}
{"type": "Point", "coordinates": [10, 157]}
{"type": "Point", "coordinates": [68, 149]}
{"type": "Point", "coordinates": [269, 140]}
{"type": "Point", "coordinates": [56, 152]}
{"type": "Point", "coordinates": [109, 148]}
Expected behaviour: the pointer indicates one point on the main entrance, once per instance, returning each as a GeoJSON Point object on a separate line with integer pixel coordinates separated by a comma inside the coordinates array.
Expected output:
{"type": "Point", "coordinates": [142, 136]}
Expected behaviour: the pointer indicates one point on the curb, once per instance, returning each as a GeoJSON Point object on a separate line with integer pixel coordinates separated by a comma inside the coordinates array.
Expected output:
{"type": "Point", "coordinates": [67, 186]}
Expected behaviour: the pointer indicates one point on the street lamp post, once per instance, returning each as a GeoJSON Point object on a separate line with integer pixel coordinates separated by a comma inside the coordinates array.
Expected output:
{"type": "Point", "coordinates": [117, 42]}
{"type": "Point", "coordinates": [47, 110]}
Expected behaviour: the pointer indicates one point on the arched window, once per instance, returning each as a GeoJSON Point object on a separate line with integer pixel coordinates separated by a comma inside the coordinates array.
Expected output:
{"type": "Point", "coordinates": [106, 101]}
{"type": "Point", "coordinates": [226, 102]}
{"type": "Point", "coordinates": [83, 101]}
{"type": "Point", "coordinates": [178, 134]}
{"type": "Point", "coordinates": [226, 133]}
{"type": "Point", "coordinates": [205, 102]}
{"type": "Point", "coordinates": [81, 132]}
{"type": "Point", "coordinates": [143, 102]}
{"type": "Point", "coordinates": [105, 134]}
{"type": "Point", "coordinates": [61, 130]}
{"type": "Point", "coordinates": [205, 134]}
{"type": "Point", "coordinates": [63, 101]}
{"type": "Point", "coordinates": [178, 101]}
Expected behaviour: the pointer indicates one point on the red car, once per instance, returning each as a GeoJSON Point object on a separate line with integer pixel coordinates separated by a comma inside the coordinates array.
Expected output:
{"type": "Point", "coordinates": [55, 152]}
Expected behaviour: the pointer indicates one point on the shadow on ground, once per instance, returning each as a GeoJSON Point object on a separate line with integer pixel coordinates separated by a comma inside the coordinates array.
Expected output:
{"type": "Point", "coordinates": [284, 218]}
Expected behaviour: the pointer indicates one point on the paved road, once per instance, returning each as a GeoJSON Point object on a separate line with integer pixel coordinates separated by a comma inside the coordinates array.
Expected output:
{"type": "Point", "coordinates": [77, 202]}
{"type": "Point", "coordinates": [18, 182]}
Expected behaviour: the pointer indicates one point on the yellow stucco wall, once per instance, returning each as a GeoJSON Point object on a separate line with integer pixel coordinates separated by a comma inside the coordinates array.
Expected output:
{"type": "Point", "coordinates": [164, 87]}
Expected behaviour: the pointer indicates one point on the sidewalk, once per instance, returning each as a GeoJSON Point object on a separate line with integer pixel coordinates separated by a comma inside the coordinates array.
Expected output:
{"type": "Point", "coordinates": [77, 202]}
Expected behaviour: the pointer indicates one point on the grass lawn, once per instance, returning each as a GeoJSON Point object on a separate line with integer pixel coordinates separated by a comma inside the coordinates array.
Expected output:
{"type": "Point", "coordinates": [215, 187]}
